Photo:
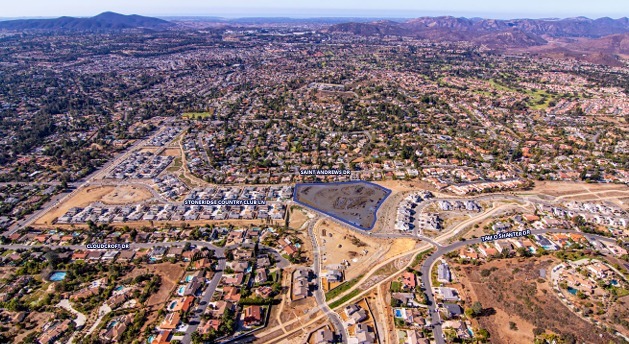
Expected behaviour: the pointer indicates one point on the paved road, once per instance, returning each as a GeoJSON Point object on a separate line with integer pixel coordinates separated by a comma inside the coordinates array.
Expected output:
{"type": "Point", "coordinates": [319, 295]}
{"type": "Point", "coordinates": [428, 264]}
{"type": "Point", "coordinates": [206, 296]}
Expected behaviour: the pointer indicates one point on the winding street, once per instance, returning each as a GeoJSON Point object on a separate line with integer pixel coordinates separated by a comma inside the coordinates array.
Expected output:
{"type": "Point", "coordinates": [319, 295]}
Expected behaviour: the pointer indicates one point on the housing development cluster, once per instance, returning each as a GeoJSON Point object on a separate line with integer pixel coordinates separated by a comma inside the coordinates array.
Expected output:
{"type": "Point", "coordinates": [291, 183]}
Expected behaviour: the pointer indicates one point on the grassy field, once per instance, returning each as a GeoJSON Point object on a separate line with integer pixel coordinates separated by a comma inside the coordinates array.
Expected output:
{"type": "Point", "coordinates": [341, 288]}
{"type": "Point", "coordinates": [538, 99]}
{"type": "Point", "coordinates": [345, 298]}
{"type": "Point", "coordinates": [195, 115]}
{"type": "Point", "coordinates": [175, 166]}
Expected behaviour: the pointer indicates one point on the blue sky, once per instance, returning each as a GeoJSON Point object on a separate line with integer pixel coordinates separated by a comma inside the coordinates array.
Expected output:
{"type": "Point", "coordinates": [342, 8]}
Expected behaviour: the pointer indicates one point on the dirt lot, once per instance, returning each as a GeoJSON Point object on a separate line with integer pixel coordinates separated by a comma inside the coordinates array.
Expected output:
{"type": "Point", "coordinates": [403, 185]}
{"type": "Point", "coordinates": [513, 292]}
{"type": "Point", "coordinates": [81, 199]}
{"type": "Point", "coordinates": [354, 202]}
{"type": "Point", "coordinates": [297, 218]}
{"type": "Point", "coordinates": [107, 194]}
{"type": "Point", "coordinates": [147, 150]}
{"type": "Point", "coordinates": [340, 243]}
{"type": "Point", "coordinates": [125, 194]}
{"type": "Point", "coordinates": [556, 189]}
{"type": "Point", "coordinates": [400, 246]}
{"type": "Point", "coordinates": [170, 273]}
{"type": "Point", "coordinates": [171, 152]}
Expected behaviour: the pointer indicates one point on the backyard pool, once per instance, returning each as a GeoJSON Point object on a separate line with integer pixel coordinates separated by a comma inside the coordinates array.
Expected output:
{"type": "Point", "coordinates": [172, 305]}
{"type": "Point", "coordinates": [572, 291]}
{"type": "Point", "coordinates": [181, 289]}
{"type": "Point", "coordinates": [150, 339]}
{"type": "Point", "coordinates": [398, 313]}
{"type": "Point", "coordinates": [58, 276]}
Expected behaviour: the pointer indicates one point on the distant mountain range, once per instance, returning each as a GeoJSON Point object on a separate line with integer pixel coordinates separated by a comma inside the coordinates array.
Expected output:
{"type": "Point", "coordinates": [492, 32]}
{"type": "Point", "coordinates": [602, 40]}
{"type": "Point", "coordinates": [103, 22]}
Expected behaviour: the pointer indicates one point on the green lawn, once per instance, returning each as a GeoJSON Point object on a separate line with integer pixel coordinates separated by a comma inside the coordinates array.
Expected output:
{"type": "Point", "coordinates": [345, 298]}
{"type": "Point", "coordinates": [341, 288]}
{"type": "Point", "coordinates": [538, 99]}
{"type": "Point", "coordinates": [396, 287]}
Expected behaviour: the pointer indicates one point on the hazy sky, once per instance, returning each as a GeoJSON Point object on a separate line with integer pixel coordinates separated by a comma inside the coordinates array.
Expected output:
{"type": "Point", "coordinates": [302, 8]}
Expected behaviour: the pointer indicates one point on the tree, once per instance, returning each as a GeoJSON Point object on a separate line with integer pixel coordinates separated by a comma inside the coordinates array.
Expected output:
{"type": "Point", "coordinates": [568, 338]}
{"type": "Point", "coordinates": [482, 334]}
{"type": "Point", "coordinates": [477, 308]}
{"type": "Point", "coordinates": [52, 258]}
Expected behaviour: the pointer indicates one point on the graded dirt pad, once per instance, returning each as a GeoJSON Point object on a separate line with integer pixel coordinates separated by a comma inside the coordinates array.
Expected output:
{"type": "Point", "coordinates": [355, 203]}
{"type": "Point", "coordinates": [147, 150]}
{"type": "Point", "coordinates": [342, 244]}
{"type": "Point", "coordinates": [110, 194]}
{"type": "Point", "coordinates": [556, 188]}
{"type": "Point", "coordinates": [296, 309]}
{"type": "Point", "coordinates": [81, 198]}
{"type": "Point", "coordinates": [400, 246]}
{"type": "Point", "coordinates": [125, 194]}
{"type": "Point", "coordinates": [171, 152]}
{"type": "Point", "coordinates": [297, 218]}
{"type": "Point", "coordinates": [404, 185]}
{"type": "Point", "coordinates": [513, 292]}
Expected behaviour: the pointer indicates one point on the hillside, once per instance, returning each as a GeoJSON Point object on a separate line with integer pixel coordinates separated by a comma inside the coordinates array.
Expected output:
{"type": "Point", "coordinates": [102, 22]}
{"type": "Point", "coordinates": [494, 33]}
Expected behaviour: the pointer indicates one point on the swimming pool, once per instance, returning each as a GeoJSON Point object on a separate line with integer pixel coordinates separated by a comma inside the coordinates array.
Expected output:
{"type": "Point", "coordinates": [119, 288]}
{"type": "Point", "coordinates": [614, 282]}
{"type": "Point", "coordinates": [150, 339]}
{"type": "Point", "coordinates": [58, 276]}
{"type": "Point", "coordinates": [181, 289]}
{"type": "Point", "coordinates": [398, 313]}
{"type": "Point", "coordinates": [189, 278]}
{"type": "Point", "coordinates": [112, 324]}
{"type": "Point", "coordinates": [172, 305]}
{"type": "Point", "coordinates": [572, 291]}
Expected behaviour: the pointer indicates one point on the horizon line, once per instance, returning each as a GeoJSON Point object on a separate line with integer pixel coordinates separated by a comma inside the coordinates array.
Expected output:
{"type": "Point", "coordinates": [323, 16]}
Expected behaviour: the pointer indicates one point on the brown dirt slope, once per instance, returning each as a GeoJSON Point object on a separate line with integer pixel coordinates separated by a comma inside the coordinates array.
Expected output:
{"type": "Point", "coordinates": [514, 292]}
